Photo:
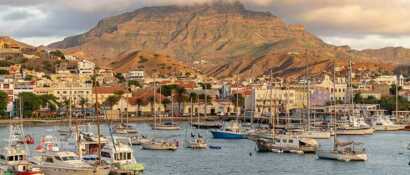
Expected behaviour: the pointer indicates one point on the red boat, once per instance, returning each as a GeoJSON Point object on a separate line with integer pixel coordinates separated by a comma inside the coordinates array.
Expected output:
{"type": "Point", "coordinates": [28, 139]}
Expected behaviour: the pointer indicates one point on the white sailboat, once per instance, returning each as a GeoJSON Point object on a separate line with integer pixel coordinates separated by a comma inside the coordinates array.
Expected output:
{"type": "Point", "coordinates": [354, 122]}
{"type": "Point", "coordinates": [167, 125]}
{"type": "Point", "coordinates": [342, 151]}
{"type": "Point", "coordinates": [285, 142]}
{"type": "Point", "coordinates": [195, 141]}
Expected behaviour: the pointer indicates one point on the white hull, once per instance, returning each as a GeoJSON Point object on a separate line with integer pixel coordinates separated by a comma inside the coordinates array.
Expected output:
{"type": "Point", "coordinates": [167, 128]}
{"type": "Point", "coordinates": [331, 155]}
{"type": "Point", "coordinates": [389, 127]}
{"type": "Point", "coordinates": [364, 131]}
{"type": "Point", "coordinates": [150, 146]}
{"type": "Point", "coordinates": [316, 134]}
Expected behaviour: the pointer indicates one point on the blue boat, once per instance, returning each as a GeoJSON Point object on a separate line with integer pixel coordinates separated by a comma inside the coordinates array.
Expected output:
{"type": "Point", "coordinates": [221, 134]}
{"type": "Point", "coordinates": [232, 131]}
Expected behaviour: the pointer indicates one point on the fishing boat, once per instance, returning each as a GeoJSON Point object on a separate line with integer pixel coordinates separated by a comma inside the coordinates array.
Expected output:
{"type": "Point", "coordinates": [156, 144]}
{"type": "Point", "coordinates": [120, 154]}
{"type": "Point", "coordinates": [342, 151]}
{"type": "Point", "coordinates": [15, 159]}
{"type": "Point", "coordinates": [14, 156]}
{"type": "Point", "coordinates": [230, 131]}
{"type": "Point", "coordinates": [68, 163]}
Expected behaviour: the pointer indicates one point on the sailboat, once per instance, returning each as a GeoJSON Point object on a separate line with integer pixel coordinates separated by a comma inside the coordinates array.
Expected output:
{"type": "Point", "coordinates": [355, 124]}
{"type": "Point", "coordinates": [194, 141]}
{"type": "Point", "coordinates": [232, 130]}
{"type": "Point", "coordinates": [285, 142]}
{"type": "Point", "coordinates": [68, 131]}
{"type": "Point", "coordinates": [310, 132]}
{"type": "Point", "coordinates": [342, 151]}
{"type": "Point", "coordinates": [167, 125]}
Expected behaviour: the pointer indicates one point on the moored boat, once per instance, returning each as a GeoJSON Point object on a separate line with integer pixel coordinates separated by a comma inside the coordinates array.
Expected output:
{"type": "Point", "coordinates": [160, 145]}
{"type": "Point", "coordinates": [230, 131]}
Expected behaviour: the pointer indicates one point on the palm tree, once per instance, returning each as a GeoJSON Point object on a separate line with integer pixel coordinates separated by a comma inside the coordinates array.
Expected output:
{"type": "Point", "coordinates": [83, 102]}
{"type": "Point", "coordinates": [139, 102]}
{"type": "Point", "coordinates": [193, 98]}
{"type": "Point", "coordinates": [180, 96]}
{"type": "Point", "coordinates": [151, 102]}
{"type": "Point", "coordinates": [165, 102]}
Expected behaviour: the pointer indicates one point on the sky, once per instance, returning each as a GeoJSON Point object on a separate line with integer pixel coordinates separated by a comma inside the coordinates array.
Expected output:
{"type": "Point", "coordinates": [360, 24]}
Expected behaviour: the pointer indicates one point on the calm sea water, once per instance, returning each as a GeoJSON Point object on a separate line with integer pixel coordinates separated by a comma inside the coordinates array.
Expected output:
{"type": "Point", "coordinates": [387, 155]}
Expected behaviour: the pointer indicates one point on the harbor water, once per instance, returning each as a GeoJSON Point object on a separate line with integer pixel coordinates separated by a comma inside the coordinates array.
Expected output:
{"type": "Point", "coordinates": [387, 153]}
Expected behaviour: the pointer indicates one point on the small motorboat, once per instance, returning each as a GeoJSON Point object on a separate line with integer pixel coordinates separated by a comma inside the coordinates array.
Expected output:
{"type": "Point", "coordinates": [215, 147]}
{"type": "Point", "coordinates": [160, 145]}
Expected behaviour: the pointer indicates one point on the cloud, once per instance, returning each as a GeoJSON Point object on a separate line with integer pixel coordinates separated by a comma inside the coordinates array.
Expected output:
{"type": "Point", "coordinates": [353, 22]}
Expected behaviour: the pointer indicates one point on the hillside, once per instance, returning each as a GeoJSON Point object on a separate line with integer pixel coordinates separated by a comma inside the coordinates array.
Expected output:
{"type": "Point", "coordinates": [226, 38]}
{"type": "Point", "coordinates": [150, 63]}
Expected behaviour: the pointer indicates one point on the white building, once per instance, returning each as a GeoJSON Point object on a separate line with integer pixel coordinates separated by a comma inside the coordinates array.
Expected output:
{"type": "Point", "coordinates": [262, 99]}
{"type": "Point", "coordinates": [135, 75]}
{"type": "Point", "coordinates": [86, 67]}
{"type": "Point", "coordinates": [336, 90]}
{"type": "Point", "coordinates": [389, 79]}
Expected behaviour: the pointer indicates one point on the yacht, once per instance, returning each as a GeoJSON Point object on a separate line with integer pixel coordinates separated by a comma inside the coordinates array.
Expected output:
{"type": "Point", "coordinates": [345, 151]}
{"type": "Point", "coordinates": [68, 163]}
{"type": "Point", "coordinates": [120, 154]}
{"type": "Point", "coordinates": [383, 123]}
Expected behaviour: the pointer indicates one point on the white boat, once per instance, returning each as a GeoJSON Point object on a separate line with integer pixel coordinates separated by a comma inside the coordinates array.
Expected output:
{"type": "Point", "coordinates": [124, 129]}
{"type": "Point", "coordinates": [120, 154]}
{"type": "Point", "coordinates": [287, 143]}
{"type": "Point", "coordinates": [383, 123]}
{"type": "Point", "coordinates": [138, 139]}
{"type": "Point", "coordinates": [355, 126]}
{"type": "Point", "coordinates": [13, 159]}
{"type": "Point", "coordinates": [47, 143]}
{"type": "Point", "coordinates": [345, 151]}
{"type": "Point", "coordinates": [160, 145]}
{"type": "Point", "coordinates": [170, 126]}
{"type": "Point", "coordinates": [68, 163]}
{"type": "Point", "coordinates": [195, 142]}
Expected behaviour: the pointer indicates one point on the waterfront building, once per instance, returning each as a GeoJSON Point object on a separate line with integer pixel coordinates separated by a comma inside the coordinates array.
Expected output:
{"type": "Point", "coordinates": [85, 67]}
{"type": "Point", "coordinates": [135, 75]}
{"type": "Point", "coordinates": [336, 90]}
{"type": "Point", "coordinates": [260, 98]}
{"type": "Point", "coordinates": [390, 79]}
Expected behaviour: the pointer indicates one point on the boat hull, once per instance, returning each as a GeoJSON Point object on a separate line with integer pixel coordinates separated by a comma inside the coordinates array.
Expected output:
{"type": "Point", "coordinates": [207, 125]}
{"type": "Point", "coordinates": [316, 134]}
{"type": "Point", "coordinates": [228, 135]}
{"type": "Point", "coordinates": [389, 128]}
{"type": "Point", "coordinates": [360, 131]}
{"type": "Point", "coordinates": [49, 170]}
{"type": "Point", "coordinates": [331, 155]}
{"type": "Point", "coordinates": [166, 128]}
{"type": "Point", "coordinates": [148, 146]}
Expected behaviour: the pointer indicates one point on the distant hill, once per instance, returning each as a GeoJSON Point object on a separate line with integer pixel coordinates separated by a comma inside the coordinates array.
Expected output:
{"type": "Point", "coordinates": [225, 37]}
{"type": "Point", "coordinates": [151, 63]}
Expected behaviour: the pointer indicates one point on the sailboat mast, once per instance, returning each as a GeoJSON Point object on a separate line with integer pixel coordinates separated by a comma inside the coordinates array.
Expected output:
{"type": "Point", "coordinates": [397, 96]}
{"type": "Point", "coordinates": [237, 97]}
{"type": "Point", "coordinates": [97, 120]}
{"type": "Point", "coordinates": [334, 115]}
{"type": "Point", "coordinates": [155, 108]}
{"type": "Point", "coordinates": [70, 108]}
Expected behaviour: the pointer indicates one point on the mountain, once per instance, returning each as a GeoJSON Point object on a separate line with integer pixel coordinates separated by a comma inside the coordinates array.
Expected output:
{"type": "Point", "coordinates": [8, 42]}
{"type": "Point", "coordinates": [222, 39]}
{"type": "Point", "coordinates": [151, 63]}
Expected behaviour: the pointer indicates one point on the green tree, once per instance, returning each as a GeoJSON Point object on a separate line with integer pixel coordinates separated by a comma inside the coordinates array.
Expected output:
{"type": "Point", "coordinates": [165, 102]}
{"type": "Point", "coordinates": [392, 89]}
{"type": "Point", "coordinates": [120, 77]}
{"type": "Point", "coordinates": [139, 102]}
{"type": "Point", "coordinates": [83, 102]}
{"type": "Point", "coordinates": [3, 103]}
{"type": "Point", "coordinates": [180, 97]}
{"type": "Point", "coordinates": [151, 102]}
{"type": "Point", "coordinates": [30, 102]}
{"type": "Point", "coordinates": [57, 53]}
{"type": "Point", "coordinates": [50, 100]}
{"type": "Point", "coordinates": [111, 100]}
{"type": "Point", "coordinates": [134, 83]}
